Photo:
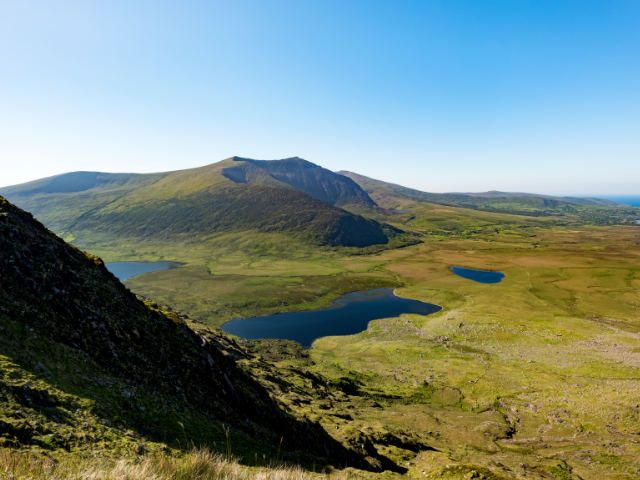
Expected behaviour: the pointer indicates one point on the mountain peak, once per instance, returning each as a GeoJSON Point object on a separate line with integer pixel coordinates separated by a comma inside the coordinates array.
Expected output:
{"type": "Point", "coordinates": [238, 158]}
{"type": "Point", "coordinates": [304, 176]}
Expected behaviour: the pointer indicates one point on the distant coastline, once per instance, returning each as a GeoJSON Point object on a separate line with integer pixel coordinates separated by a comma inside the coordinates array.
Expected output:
{"type": "Point", "coordinates": [631, 200]}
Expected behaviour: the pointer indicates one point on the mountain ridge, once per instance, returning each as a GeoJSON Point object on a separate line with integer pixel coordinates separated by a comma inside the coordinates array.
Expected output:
{"type": "Point", "coordinates": [314, 180]}
{"type": "Point", "coordinates": [488, 194]}
{"type": "Point", "coordinates": [236, 194]}
{"type": "Point", "coordinates": [590, 210]}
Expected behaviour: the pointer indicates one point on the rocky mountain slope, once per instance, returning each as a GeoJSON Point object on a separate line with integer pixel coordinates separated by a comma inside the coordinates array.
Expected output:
{"type": "Point", "coordinates": [303, 176]}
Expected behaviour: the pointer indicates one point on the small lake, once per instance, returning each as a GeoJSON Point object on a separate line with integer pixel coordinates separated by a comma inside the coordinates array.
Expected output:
{"type": "Point", "coordinates": [126, 270]}
{"type": "Point", "coordinates": [482, 276]}
{"type": "Point", "coordinates": [348, 315]}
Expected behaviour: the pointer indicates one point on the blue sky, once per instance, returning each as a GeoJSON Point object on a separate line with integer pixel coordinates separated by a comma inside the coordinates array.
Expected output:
{"type": "Point", "coordinates": [451, 95]}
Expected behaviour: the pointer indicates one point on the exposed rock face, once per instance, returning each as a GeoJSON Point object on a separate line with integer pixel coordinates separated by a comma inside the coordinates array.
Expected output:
{"type": "Point", "coordinates": [307, 177]}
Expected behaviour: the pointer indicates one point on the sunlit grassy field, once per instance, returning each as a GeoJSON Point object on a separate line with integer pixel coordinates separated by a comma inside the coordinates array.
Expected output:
{"type": "Point", "coordinates": [537, 376]}
{"type": "Point", "coordinates": [539, 370]}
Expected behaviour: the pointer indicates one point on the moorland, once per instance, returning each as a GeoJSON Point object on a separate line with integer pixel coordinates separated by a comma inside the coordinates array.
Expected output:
{"type": "Point", "coordinates": [537, 376]}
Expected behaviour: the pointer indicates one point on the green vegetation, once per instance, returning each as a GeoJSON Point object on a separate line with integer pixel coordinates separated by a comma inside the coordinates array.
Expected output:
{"type": "Point", "coordinates": [537, 370]}
{"type": "Point", "coordinates": [196, 465]}
{"type": "Point", "coordinates": [255, 274]}
{"type": "Point", "coordinates": [589, 210]}
{"type": "Point", "coordinates": [235, 195]}
{"type": "Point", "coordinates": [535, 377]}
{"type": "Point", "coordinates": [86, 366]}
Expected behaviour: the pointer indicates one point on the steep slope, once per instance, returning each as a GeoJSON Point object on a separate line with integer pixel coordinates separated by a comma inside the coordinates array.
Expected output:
{"type": "Point", "coordinates": [591, 209]}
{"type": "Point", "coordinates": [290, 196]}
{"type": "Point", "coordinates": [303, 176]}
{"type": "Point", "coordinates": [85, 364]}
{"type": "Point", "coordinates": [234, 208]}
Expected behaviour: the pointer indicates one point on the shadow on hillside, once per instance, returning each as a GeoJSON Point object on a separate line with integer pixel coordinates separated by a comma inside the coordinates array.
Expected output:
{"type": "Point", "coordinates": [75, 334]}
{"type": "Point", "coordinates": [65, 397]}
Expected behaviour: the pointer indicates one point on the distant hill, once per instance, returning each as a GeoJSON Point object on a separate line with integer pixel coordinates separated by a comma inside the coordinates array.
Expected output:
{"type": "Point", "coordinates": [599, 210]}
{"type": "Point", "coordinates": [84, 364]}
{"type": "Point", "coordinates": [291, 196]}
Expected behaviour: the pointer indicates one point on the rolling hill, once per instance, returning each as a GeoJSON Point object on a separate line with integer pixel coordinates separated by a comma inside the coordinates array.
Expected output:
{"type": "Point", "coordinates": [589, 209]}
{"type": "Point", "coordinates": [290, 196]}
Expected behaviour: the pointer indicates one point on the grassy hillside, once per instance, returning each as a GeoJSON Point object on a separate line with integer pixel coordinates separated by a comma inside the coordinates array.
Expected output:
{"type": "Point", "coordinates": [290, 196]}
{"type": "Point", "coordinates": [85, 365]}
{"type": "Point", "coordinates": [590, 210]}
{"type": "Point", "coordinates": [535, 377]}
{"type": "Point", "coordinates": [234, 208]}
{"type": "Point", "coordinates": [62, 199]}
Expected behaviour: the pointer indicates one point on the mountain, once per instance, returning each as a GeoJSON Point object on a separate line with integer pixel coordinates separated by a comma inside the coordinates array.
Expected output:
{"type": "Point", "coordinates": [387, 194]}
{"type": "Point", "coordinates": [85, 364]}
{"type": "Point", "coordinates": [303, 176]}
{"type": "Point", "coordinates": [292, 196]}
{"type": "Point", "coordinates": [61, 199]}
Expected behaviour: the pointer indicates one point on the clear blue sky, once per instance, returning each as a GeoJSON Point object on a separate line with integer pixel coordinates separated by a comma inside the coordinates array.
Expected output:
{"type": "Point", "coordinates": [526, 95]}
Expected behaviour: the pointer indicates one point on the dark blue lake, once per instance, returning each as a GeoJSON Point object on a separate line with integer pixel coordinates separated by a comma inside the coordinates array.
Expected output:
{"type": "Point", "coordinates": [350, 314]}
{"type": "Point", "coordinates": [126, 270]}
{"type": "Point", "coordinates": [482, 276]}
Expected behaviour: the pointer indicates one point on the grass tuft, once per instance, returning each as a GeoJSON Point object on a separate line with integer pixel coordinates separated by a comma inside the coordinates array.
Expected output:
{"type": "Point", "coordinates": [195, 465]}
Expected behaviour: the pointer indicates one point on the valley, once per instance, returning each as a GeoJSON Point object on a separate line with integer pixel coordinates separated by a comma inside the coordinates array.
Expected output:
{"type": "Point", "coordinates": [330, 240]}
{"type": "Point", "coordinates": [534, 376]}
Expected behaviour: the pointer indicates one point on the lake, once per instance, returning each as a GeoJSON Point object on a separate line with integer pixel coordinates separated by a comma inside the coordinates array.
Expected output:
{"type": "Point", "coordinates": [482, 276]}
{"type": "Point", "coordinates": [126, 270]}
{"type": "Point", "coordinates": [348, 315]}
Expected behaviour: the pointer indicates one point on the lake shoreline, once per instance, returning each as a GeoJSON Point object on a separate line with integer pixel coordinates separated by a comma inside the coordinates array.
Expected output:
{"type": "Point", "coordinates": [347, 315]}
{"type": "Point", "coordinates": [127, 270]}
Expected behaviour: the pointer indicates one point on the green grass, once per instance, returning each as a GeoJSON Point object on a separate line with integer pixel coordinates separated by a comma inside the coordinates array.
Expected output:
{"type": "Point", "coordinates": [87, 367]}
{"type": "Point", "coordinates": [289, 196]}
{"type": "Point", "coordinates": [550, 349]}
{"type": "Point", "coordinates": [196, 465]}
{"type": "Point", "coordinates": [536, 377]}
{"type": "Point", "coordinates": [538, 368]}
{"type": "Point", "coordinates": [214, 299]}
{"type": "Point", "coordinates": [56, 399]}
{"type": "Point", "coordinates": [245, 274]}
{"type": "Point", "coordinates": [572, 209]}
